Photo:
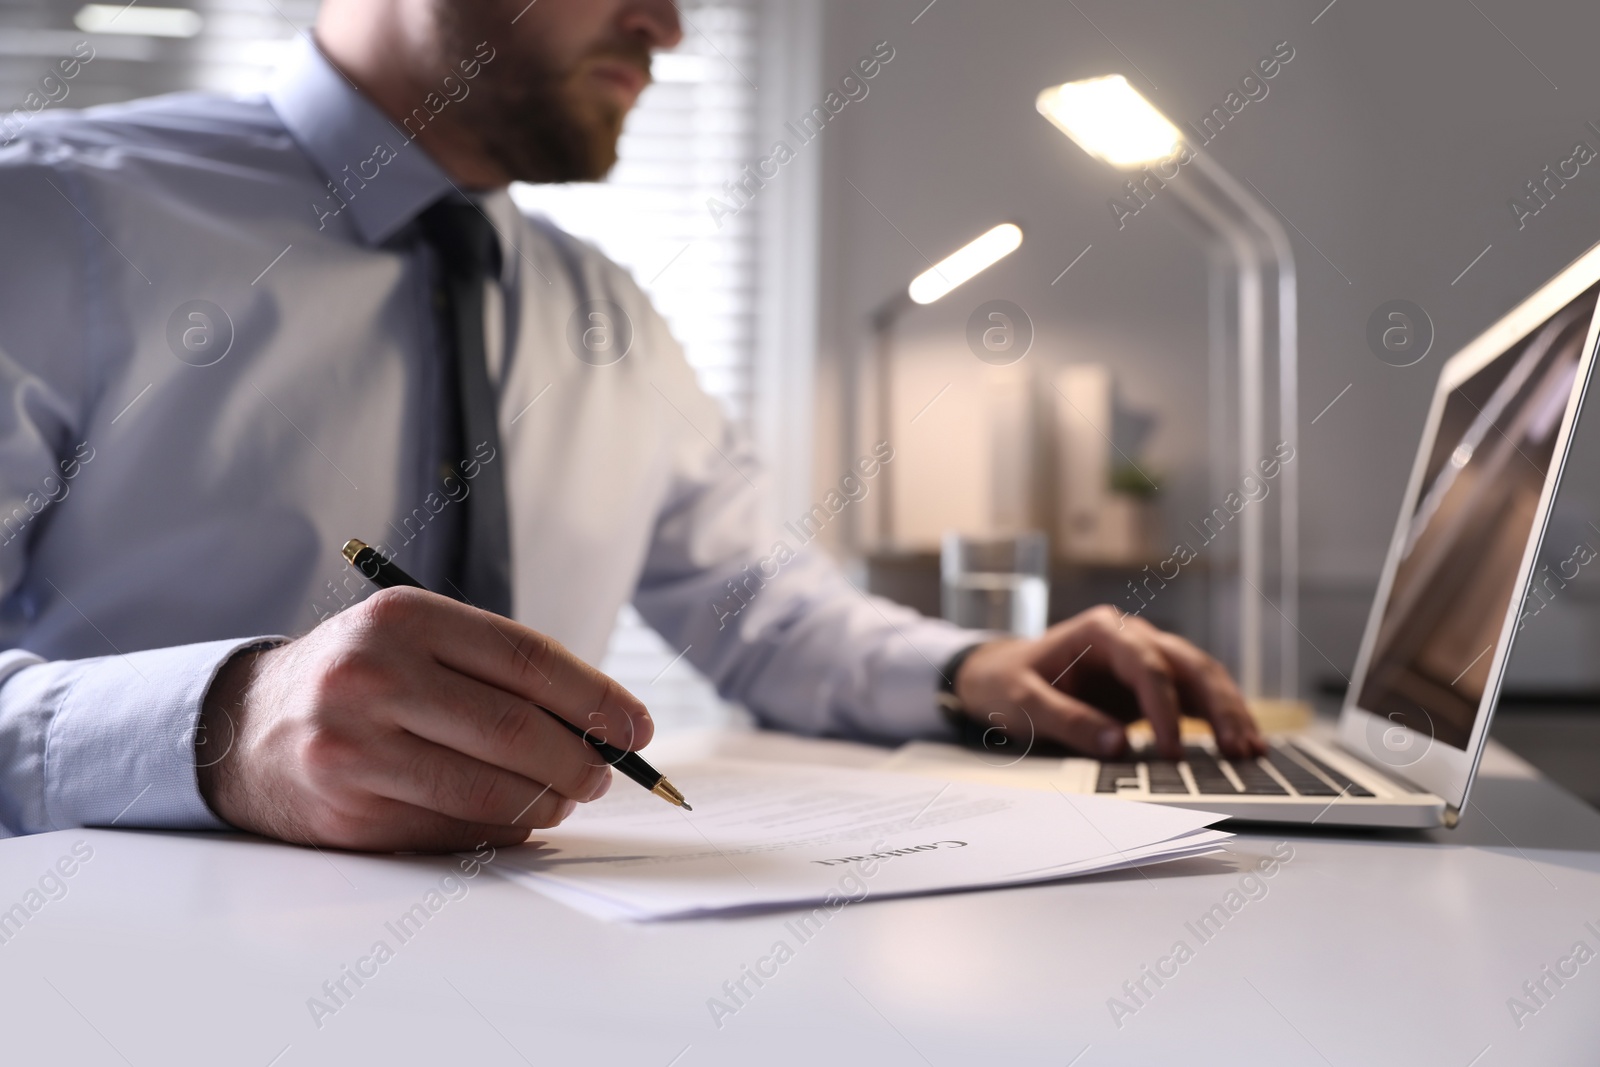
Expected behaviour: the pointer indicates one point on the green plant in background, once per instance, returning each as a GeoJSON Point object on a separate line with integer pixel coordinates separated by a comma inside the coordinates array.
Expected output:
{"type": "Point", "coordinates": [1134, 481]}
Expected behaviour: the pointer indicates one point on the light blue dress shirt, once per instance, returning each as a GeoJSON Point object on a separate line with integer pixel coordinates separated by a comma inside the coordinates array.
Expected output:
{"type": "Point", "coordinates": [218, 362]}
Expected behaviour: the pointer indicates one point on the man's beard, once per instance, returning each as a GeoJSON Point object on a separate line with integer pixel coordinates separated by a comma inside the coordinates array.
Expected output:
{"type": "Point", "coordinates": [535, 121]}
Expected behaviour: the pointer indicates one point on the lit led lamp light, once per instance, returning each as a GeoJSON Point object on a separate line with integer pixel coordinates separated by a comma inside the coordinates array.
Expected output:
{"type": "Point", "coordinates": [137, 21]}
{"type": "Point", "coordinates": [1110, 120]}
{"type": "Point", "coordinates": [965, 263]}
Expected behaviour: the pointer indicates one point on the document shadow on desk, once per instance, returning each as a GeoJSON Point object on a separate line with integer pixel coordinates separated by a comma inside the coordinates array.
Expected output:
{"type": "Point", "coordinates": [543, 856]}
{"type": "Point", "coordinates": [533, 858]}
{"type": "Point", "coordinates": [1192, 867]}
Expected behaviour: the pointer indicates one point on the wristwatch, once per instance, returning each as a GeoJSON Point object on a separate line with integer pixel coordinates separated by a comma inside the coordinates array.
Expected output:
{"type": "Point", "coordinates": [949, 703]}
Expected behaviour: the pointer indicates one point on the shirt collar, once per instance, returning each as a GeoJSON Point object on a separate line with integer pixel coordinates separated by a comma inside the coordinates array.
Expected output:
{"type": "Point", "coordinates": [384, 178]}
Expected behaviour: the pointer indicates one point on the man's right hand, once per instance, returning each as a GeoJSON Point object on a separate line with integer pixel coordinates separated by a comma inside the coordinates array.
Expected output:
{"type": "Point", "coordinates": [410, 722]}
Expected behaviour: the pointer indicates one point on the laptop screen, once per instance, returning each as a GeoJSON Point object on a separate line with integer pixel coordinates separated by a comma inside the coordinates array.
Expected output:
{"type": "Point", "coordinates": [1464, 542]}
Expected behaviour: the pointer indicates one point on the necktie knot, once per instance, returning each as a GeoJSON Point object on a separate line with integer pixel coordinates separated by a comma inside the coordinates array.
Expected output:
{"type": "Point", "coordinates": [463, 237]}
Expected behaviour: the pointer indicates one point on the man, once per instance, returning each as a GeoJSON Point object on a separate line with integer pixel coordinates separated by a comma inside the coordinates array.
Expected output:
{"type": "Point", "coordinates": [234, 333]}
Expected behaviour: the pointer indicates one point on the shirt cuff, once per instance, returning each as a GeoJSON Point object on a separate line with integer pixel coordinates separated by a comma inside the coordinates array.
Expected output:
{"type": "Point", "coordinates": [906, 682]}
{"type": "Point", "coordinates": [121, 745]}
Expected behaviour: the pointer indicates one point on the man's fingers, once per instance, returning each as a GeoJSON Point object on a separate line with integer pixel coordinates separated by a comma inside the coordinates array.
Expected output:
{"type": "Point", "coordinates": [510, 656]}
{"type": "Point", "coordinates": [506, 730]}
{"type": "Point", "coordinates": [1059, 717]}
{"type": "Point", "coordinates": [441, 780]}
{"type": "Point", "coordinates": [394, 826]}
{"type": "Point", "coordinates": [1139, 663]}
{"type": "Point", "coordinates": [1213, 695]}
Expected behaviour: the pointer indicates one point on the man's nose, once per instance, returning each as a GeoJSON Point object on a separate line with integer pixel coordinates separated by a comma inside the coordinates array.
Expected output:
{"type": "Point", "coordinates": [655, 21]}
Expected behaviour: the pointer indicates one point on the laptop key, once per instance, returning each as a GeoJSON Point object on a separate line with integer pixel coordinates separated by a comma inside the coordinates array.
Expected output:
{"type": "Point", "coordinates": [1257, 782]}
{"type": "Point", "coordinates": [1207, 772]}
{"type": "Point", "coordinates": [1165, 777]}
{"type": "Point", "coordinates": [1343, 782]}
{"type": "Point", "coordinates": [1298, 775]}
{"type": "Point", "coordinates": [1111, 773]}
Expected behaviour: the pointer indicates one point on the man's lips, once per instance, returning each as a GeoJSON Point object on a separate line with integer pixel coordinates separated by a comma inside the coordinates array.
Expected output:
{"type": "Point", "coordinates": [627, 75]}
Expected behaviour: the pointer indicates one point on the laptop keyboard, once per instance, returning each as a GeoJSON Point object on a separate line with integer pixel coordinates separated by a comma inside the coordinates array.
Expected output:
{"type": "Point", "coordinates": [1303, 773]}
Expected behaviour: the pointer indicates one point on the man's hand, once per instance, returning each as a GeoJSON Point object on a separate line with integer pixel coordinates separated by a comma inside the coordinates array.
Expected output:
{"type": "Point", "coordinates": [1087, 676]}
{"type": "Point", "coordinates": [408, 722]}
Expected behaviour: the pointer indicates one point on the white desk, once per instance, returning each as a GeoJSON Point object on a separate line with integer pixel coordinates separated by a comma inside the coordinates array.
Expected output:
{"type": "Point", "coordinates": [171, 949]}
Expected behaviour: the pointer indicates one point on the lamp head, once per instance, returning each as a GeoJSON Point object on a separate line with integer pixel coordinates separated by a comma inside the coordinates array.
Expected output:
{"type": "Point", "coordinates": [1111, 120]}
{"type": "Point", "coordinates": [965, 262]}
{"type": "Point", "coordinates": [143, 21]}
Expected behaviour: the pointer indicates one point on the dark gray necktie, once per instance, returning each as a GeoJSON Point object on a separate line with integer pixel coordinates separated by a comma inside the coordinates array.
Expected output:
{"type": "Point", "coordinates": [479, 563]}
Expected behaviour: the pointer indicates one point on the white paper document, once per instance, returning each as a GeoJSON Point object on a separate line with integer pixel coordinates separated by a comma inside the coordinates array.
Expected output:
{"type": "Point", "coordinates": [770, 835]}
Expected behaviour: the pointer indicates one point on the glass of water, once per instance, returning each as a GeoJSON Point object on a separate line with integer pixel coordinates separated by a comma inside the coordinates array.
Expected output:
{"type": "Point", "coordinates": [996, 583]}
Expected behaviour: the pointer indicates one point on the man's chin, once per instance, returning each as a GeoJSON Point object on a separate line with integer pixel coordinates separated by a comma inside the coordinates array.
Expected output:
{"type": "Point", "coordinates": [594, 152]}
{"type": "Point", "coordinates": [563, 140]}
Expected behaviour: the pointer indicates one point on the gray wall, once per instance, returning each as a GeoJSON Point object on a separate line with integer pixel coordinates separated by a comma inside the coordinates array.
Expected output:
{"type": "Point", "coordinates": [1391, 142]}
{"type": "Point", "coordinates": [235, 50]}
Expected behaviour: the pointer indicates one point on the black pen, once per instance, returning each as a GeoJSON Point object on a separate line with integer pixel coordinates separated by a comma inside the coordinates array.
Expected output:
{"type": "Point", "coordinates": [382, 572]}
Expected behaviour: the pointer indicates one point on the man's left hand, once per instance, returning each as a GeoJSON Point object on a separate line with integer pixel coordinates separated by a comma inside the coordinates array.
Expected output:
{"type": "Point", "coordinates": [1088, 676]}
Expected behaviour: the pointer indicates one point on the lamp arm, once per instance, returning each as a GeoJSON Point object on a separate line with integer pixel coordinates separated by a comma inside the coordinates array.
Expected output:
{"type": "Point", "coordinates": [1265, 220]}
{"type": "Point", "coordinates": [884, 317]}
{"type": "Point", "coordinates": [1232, 235]}
{"type": "Point", "coordinates": [873, 355]}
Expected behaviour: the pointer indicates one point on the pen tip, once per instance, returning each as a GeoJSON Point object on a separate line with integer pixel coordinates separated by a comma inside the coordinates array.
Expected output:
{"type": "Point", "coordinates": [666, 791]}
{"type": "Point", "coordinates": [351, 548]}
{"type": "Point", "coordinates": [687, 806]}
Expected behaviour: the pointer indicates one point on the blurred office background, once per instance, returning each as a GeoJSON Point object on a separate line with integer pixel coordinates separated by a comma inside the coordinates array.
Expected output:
{"type": "Point", "coordinates": [1390, 144]}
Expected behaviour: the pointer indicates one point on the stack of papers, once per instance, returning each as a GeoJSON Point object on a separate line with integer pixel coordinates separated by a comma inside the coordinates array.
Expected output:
{"type": "Point", "coordinates": [776, 835]}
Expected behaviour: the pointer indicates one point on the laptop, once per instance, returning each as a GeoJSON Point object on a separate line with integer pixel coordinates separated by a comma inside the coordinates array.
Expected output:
{"type": "Point", "coordinates": [1416, 715]}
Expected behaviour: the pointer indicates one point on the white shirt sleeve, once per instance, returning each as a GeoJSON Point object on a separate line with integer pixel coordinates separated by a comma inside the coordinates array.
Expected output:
{"type": "Point", "coordinates": [82, 741]}
{"type": "Point", "coordinates": [111, 740]}
{"type": "Point", "coordinates": [772, 621]}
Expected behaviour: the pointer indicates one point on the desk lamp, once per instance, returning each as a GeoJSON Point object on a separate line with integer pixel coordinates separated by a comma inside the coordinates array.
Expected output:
{"type": "Point", "coordinates": [939, 280]}
{"type": "Point", "coordinates": [1109, 119]}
